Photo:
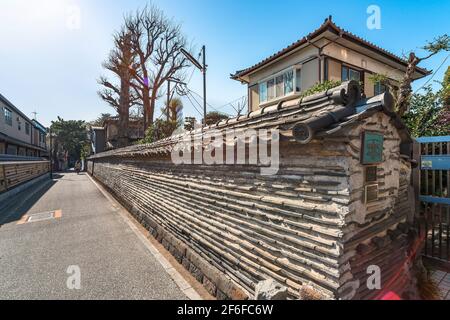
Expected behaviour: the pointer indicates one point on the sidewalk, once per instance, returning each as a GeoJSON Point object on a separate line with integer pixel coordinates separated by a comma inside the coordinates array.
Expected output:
{"type": "Point", "coordinates": [442, 280]}
{"type": "Point", "coordinates": [71, 223]}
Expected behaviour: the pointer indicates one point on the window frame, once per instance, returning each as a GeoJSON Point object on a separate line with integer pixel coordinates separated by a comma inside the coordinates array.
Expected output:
{"type": "Point", "coordinates": [351, 68]}
{"type": "Point", "coordinates": [380, 86]}
{"type": "Point", "coordinates": [273, 78]}
{"type": "Point", "coordinates": [9, 117]}
{"type": "Point", "coordinates": [361, 72]}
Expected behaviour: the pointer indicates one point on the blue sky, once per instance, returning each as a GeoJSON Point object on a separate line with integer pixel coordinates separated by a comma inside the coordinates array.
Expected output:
{"type": "Point", "coordinates": [48, 68]}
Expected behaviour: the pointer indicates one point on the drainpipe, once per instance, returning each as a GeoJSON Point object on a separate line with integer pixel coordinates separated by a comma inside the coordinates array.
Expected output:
{"type": "Point", "coordinates": [320, 57]}
{"type": "Point", "coordinates": [320, 64]}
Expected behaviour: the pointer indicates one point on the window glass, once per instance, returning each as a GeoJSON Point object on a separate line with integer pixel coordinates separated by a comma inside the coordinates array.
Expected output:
{"type": "Point", "coordinates": [298, 80]}
{"type": "Point", "coordinates": [344, 74]}
{"type": "Point", "coordinates": [271, 89]}
{"type": "Point", "coordinates": [289, 82]}
{"type": "Point", "coordinates": [350, 74]}
{"type": "Point", "coordinates": [280, 86]}
{"type": "Point", "coordinates": [8, 116]}
{"type": "Point", "coordinates": [379, 88]}
{"type": "Point", "coordinates": [12, 150]}
{"type": "Point", "coordinates": [354, 75]}
{"type": "Point", "coordinates": [27, 128]}
{"type": "Point", "coordinates": [263, 92]}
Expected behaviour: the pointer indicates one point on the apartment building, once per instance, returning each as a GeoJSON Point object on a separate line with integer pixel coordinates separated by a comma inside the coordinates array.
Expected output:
{"type": "Point", "coordinates": [19, 135]}
{"type": "Point", "coordinates": [328, 53]}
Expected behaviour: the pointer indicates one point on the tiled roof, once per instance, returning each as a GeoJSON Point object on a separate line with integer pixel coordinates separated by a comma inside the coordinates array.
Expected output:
{"type": "Point", "coordinates": [302, 119]}
{"type": "Point", "coordinates": [328, 25]}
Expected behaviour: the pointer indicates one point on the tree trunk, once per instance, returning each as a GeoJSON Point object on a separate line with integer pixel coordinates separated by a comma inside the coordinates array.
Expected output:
{"type": "Point", "coordinates": [151, 112]}
{"type": "Point", "coordinates": [405, 90]}
{"type": "Point", "coordinates": [124, 106]}
{"type": "Point", "coordinates": [147, 106]}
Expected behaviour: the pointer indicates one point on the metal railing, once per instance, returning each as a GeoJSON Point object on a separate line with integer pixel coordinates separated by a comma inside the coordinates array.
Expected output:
{"type": "Point", "coordinates": [435, 195]}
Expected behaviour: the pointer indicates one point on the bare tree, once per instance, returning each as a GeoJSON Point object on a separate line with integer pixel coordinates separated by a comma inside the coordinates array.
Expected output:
{"type": "Point", "coordinates": [240, 105]}
{"type": "Point", "coordinates": [121, 97]}
{"type": "Point", "coordinates": [156, 42]}
{"type": "Point", "coordinates": [439, 44]}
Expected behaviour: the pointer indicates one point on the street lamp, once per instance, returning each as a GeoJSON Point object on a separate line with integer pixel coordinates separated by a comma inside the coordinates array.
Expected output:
{"type": "Point", "coordinates": [202, 68]}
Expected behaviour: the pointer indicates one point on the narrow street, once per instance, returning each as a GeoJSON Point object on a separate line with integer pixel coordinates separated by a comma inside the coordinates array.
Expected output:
{"type": "Point", "coordinates": [85, 231]}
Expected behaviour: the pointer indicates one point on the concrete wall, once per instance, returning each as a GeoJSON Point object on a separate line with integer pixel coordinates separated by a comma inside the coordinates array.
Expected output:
{"type": "Point", "coordinates": [310, 74]}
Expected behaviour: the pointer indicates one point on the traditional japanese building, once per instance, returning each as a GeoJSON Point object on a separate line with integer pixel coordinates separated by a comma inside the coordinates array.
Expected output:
{"type": "Point", "coordinates": [329, 53]}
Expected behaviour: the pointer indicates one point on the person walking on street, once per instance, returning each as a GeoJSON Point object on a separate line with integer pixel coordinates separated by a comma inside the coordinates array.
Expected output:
{"type": "Point", "coordinates": [77, 166]}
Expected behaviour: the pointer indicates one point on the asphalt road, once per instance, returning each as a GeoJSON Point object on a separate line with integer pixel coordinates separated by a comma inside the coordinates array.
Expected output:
{"type": "Point", "coordinates": [90, 237]}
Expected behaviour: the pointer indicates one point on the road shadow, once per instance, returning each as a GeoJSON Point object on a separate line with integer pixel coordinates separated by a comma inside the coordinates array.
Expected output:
{"type": "Point", "coordinates": [17, 206]}
{"type": "Point", "coordinates": [57, 176]}
{"type": "Point", "coordinates": [68, 176]}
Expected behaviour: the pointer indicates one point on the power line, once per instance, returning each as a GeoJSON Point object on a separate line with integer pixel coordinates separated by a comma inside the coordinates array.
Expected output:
{"type": "Point", "coordinates": [192, 96]}
{"type": "Point", "coordinates": [187, 96]}
{"type": "Point", "coordinates": [215, 109]}
{"type": "Point", "coordinates": [225, 105]}
{"type": "Point", "coordinates": [234, 101]}
{"type": "Point", "coordinates": [192, 91]}
{"type": "Point", "coordinates": [434, 74]}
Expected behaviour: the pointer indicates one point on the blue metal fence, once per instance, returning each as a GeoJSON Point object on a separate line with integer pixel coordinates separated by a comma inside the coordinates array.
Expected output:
{"type": "Point", "coordinates": [435, 195]}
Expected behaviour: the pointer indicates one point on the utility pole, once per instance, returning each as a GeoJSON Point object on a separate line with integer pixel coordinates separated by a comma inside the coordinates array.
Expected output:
{"type": "Point", "coordinates": [204, 84]}
{"type": "Point", "coordinates": [202, 68]}
{"type": "Point", "coordinates": [170, 94]}
{"type": "Point", "coordinates": [51, 153]}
